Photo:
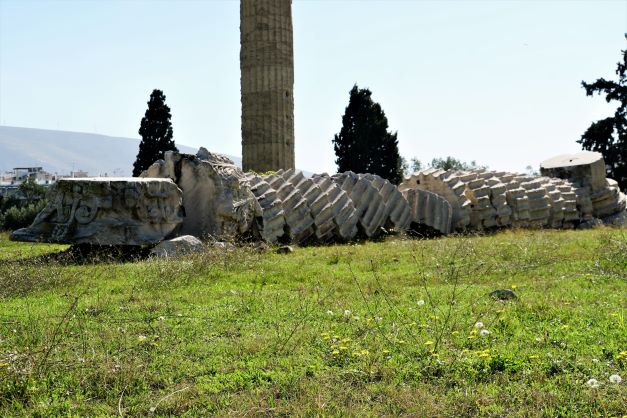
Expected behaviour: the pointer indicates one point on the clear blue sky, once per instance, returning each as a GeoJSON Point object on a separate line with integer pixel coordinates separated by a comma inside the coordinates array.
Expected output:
{"type": "Point", "coordinates": [493, 81]}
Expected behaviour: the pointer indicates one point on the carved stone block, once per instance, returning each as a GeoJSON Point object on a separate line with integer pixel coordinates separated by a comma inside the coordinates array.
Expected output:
{"type": "Point", "coordinates": [107, 211]}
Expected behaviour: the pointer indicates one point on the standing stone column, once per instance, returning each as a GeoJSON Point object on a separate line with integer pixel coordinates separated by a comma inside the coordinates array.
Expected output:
{"type": "Point", "coordinates": [267, 71]}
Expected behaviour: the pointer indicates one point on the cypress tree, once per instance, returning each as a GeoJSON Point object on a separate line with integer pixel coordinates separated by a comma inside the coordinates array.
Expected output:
{"type": "Point", "coordinates": [364, 144]}
{"type": "Point", "coordinates": [156, 133]}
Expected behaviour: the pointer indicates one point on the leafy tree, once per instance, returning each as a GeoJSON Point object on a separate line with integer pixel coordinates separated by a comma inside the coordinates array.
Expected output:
{"type": "Point", "coordinates": [609, 136]}
{"type": "Point", "coordinates": [411, 166]}
{"type": "Point", "coordinates": [31, 190]}
{"type": "Point", "coordinates": [364, 144]}
{"type": "Point", "coordinates": [450, 163]}
{"type": "Point", "coordinates": [156, 133]}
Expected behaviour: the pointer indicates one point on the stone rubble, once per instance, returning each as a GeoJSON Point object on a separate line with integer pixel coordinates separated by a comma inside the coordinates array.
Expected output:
{"type": "Point", "coordinates": [178, 246]}
{"type": "Point", "coordinates": [482, 199]}
{"type": "Point", "coordinates": [216, 199]}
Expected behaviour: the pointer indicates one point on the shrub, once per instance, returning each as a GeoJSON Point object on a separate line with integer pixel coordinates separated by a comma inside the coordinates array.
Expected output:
{"type": "Point", "coordinates": [20, 217]}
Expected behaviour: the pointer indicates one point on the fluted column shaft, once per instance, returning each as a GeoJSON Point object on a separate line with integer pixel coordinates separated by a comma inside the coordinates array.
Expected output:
{"type": "Point", "coordinates": [267, 83]}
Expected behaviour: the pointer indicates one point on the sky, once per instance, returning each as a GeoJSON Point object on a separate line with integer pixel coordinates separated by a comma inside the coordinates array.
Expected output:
{"type": "Point", "coordinates": [498, 82]}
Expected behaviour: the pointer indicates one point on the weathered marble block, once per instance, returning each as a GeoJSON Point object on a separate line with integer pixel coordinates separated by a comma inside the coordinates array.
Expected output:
{"type": "Point", "coordinates": [107, 211]}
{"type": "Point", "coordinates": [586, 168]}
{"type": "Point", "coordinates": [217, 197]}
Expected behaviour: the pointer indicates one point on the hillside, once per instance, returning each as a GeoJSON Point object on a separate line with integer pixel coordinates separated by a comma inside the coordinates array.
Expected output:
{"type": "Point", "coordinates": [62, 152]}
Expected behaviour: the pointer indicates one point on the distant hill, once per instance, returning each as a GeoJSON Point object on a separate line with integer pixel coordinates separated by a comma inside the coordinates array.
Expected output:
{"type": "Point", "coordinates": [62, 152]}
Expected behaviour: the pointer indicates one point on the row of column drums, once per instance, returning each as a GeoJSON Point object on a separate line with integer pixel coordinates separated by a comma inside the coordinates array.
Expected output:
{"type": "Point", "coordinates": [346, 205]}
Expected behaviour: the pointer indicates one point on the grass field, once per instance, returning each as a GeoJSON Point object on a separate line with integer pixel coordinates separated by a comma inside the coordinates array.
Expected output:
{"type": "Point", "coordinates": [376, 328]}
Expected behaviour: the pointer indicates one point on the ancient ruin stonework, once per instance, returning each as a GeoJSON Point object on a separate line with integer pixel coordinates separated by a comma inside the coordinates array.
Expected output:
{"type": "Point", "coordinates": [429, 209]}
{"type": "Point", "coordinates": [448, 184]}
{"type": "Point", "coordinates": [217, 198]}
{"type": "Point", "coordinates": [107, 211]}
{"type": "Point", "coordinates": [370, 207]}
{"type": "Point", "coordinates": [587, 170]}
{"type": "Point", "coordinates": [270, 226]}
{"type": "Point", "coordinates": [267, 83]}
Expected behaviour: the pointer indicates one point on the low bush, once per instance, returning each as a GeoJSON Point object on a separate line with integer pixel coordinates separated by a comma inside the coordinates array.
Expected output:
{"type": "Point", "coordinates": [17, 217]}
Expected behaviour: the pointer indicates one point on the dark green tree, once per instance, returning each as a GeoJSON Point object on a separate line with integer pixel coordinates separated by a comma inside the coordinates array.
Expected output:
{"type": "Point", "coordinates": [609, 136]}
{"type": "Point", "coordinates": [156, 133]}
{"type": "Point", "coordinates": [364, 144]}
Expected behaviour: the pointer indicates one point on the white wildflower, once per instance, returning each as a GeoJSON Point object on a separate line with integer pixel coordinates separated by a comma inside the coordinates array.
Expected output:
{"type": "Point", "coordinates": [161, 318]}
{"type": "Point", "coordinates": [378, 318]}
{"type": "Point", "coordinates": [593, 383]}
{"type": "Point", "coordinates": [329, 312]}
{"type": "Point", "coordinates": [421, 302]}
{"type": "Point", "coordinates": [141, 337]}
{"type": "Point", "coordinates": [615, 378]}
{"type": "Point", "coordinates": [479, 325]}
{"type": "Point", "coordinates": [484, 332]}
{"type": "Point", "coordinates": [347, 312]}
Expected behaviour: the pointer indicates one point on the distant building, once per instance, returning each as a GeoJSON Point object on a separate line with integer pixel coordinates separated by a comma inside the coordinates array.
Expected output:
{"type": "Point", "coordinates": [11, 180]}
{"type": "Point", "coordinates": [79, 174]}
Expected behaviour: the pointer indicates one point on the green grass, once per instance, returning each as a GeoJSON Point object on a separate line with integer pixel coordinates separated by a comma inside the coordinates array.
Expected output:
{"type": "Point", "coordinates": [244, 332]}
